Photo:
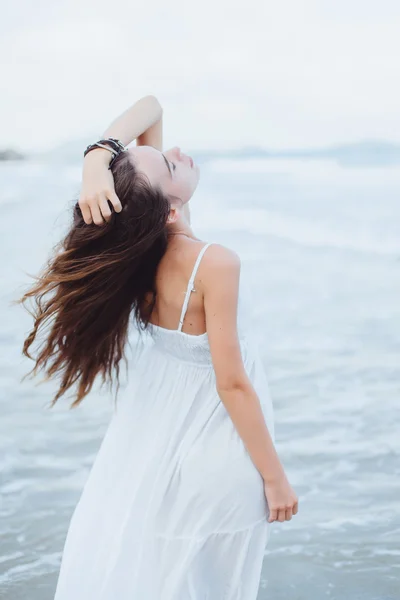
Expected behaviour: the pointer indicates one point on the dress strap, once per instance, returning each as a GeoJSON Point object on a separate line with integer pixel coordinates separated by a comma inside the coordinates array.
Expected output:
{"type": "Point", "coordinates": [190, 287]}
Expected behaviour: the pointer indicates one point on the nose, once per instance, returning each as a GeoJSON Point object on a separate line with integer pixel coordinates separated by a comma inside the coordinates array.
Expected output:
{"type": "Point", "coordinates": [177, 151]}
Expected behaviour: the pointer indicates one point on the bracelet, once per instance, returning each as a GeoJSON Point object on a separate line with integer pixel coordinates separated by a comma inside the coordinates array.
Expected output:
{"type": "Point", "coordinates": [119, 148]}
{"type": "Point", "coordinates": [115, 141]}
{"type": "Point", "coordinates": [117, 145]}
{"type": "Point", "coordinates": [98, 145]}
{"type": "Point", "coordinates": [112, 144]}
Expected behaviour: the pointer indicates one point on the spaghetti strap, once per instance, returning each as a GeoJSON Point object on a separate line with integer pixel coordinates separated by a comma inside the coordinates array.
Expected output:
{"type": "Point", "coordinates": [190, 287]}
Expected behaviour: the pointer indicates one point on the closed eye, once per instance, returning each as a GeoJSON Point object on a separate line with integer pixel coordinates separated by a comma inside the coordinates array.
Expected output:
{"type": "Point", "coordinates": [168, 165]}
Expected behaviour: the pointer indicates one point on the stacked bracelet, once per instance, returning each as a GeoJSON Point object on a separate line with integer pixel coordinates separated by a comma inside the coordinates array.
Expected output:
{"type": "Point", "coordinates": [112, 144]}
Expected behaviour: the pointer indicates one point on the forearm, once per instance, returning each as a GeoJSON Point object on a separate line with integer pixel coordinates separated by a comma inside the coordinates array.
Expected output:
{"type": "Point", "coordinates": [137, 119]}
{"type": "Point", "coordinates": [244, 409]}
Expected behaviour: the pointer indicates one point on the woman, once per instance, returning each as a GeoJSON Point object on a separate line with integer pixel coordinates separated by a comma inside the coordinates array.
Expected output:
{"type": "Point", "coordinates": [187, 482]}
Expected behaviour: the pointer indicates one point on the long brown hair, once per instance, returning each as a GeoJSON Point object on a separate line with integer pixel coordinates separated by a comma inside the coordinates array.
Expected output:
{"type": "Point", "coordinates": [97, 278]}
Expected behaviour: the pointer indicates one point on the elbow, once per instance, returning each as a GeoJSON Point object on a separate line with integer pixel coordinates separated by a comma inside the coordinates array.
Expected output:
{"type": "Point", "coordinates": [155, 102]}
{"type": "Point", "coordinates": [235, 383]}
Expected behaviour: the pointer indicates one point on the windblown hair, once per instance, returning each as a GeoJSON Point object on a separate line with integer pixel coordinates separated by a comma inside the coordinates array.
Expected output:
{"type": "Point", "coordinates": [98, 276]}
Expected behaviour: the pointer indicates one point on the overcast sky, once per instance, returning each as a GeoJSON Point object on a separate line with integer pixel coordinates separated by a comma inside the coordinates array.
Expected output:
{"type": "Point", "coordinates": [276, 73]}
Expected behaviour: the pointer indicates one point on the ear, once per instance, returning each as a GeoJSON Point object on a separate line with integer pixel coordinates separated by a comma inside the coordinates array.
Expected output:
{"type": "Point", "coordinates": [173, 215]}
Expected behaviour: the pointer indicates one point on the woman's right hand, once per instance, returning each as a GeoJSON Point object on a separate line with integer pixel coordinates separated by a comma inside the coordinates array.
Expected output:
{"type": "Point", "coordinates": [282, 500]}
{"type": "Point", "coordinates": [97, 188]}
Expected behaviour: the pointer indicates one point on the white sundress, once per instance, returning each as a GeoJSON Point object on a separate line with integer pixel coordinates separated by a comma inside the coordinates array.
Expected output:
{"type": "Point", "coordinates": [173, 508]}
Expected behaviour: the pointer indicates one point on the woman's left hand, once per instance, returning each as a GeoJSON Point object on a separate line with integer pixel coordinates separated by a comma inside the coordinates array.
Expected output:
{"type": "Point", "coordinates": [97, 188]}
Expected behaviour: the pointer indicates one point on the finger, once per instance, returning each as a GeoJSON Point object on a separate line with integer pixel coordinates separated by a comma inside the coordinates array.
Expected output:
{"type": "Point", "coordinates": [281, 515]}
{"type": "Point", "coordinates": [295, 508]}
{"type": "Point", "coordinates": [288, 514]}
{"type": "Point", "coordinates": [105, 208]}
{"type": "Point", "coordinates": [272, 515]}
{"type": "Point", "coordinates": [86, 214]}
{"type": "Point", "coordinates": [96, 214]}
{"type": "Point", "coordinates": [115, 201]}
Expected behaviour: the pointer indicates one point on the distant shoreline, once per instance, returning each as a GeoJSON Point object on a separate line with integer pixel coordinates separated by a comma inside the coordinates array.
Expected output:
{"type": "Point", "coordinates": [366, 153]}
{"type": "Point", "coordinates": [363, 153]}
{"type": "Point", "coordinates": [11, 154]}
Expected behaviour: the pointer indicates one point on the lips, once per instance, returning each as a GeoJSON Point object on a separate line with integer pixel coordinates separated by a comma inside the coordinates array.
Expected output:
{"type": "Point", "coordinates": [190, 159]}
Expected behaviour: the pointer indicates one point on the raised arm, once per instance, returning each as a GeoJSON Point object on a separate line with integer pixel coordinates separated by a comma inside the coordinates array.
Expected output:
{"type": "Point", "coordinates": [220, 282]}
{"type": "Point", "coordinates": [143, 122]}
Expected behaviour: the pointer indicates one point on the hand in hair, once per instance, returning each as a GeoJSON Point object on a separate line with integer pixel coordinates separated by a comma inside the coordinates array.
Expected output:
{"type": "Point", "coordinates": [97, 188]}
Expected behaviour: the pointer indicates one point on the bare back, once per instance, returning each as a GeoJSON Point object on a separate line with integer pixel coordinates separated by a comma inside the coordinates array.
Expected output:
{"type": "Point", "coordinates": [172, 279]}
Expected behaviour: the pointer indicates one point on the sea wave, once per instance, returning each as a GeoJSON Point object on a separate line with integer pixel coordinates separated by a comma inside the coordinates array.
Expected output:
{"type": "Point", "coordinates": [300, 231]}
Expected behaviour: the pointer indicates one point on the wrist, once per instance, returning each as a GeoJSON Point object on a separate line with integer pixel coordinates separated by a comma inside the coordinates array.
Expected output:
{"type": "Point", "coordinates": [98, 155]}
{"type": "Point", "coordinates": [272, 477]}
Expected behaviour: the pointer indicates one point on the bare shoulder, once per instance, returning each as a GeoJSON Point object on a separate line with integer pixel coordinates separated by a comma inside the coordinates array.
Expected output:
{"type": "Point", "coordinates": [216, 264]}
{"type": "Point", "coordinates": [220, 257]}
{"type": "Point", "coordinates": [219, 262]}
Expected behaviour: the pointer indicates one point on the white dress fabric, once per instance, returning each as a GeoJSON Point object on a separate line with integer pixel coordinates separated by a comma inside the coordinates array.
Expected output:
{"type": "Point", "coordinates": [173, 508]}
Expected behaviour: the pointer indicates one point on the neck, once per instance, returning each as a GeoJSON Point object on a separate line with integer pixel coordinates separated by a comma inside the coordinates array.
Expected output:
{"type": "Point", "coordinates": [181, 227]}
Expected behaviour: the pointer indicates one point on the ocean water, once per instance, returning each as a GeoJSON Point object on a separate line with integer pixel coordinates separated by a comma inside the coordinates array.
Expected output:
{"type": "Point", "coordinates": [320, 246]}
